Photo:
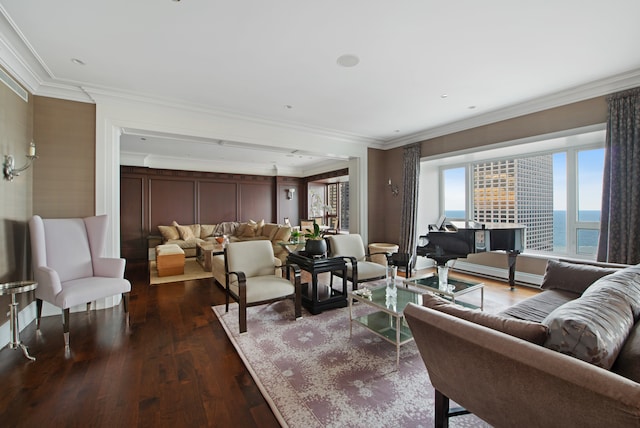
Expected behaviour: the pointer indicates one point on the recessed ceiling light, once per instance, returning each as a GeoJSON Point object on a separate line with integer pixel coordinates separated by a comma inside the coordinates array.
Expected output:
{"type": "Point", "coordinates": [396, 130]}
{"type": "Point", "coordinates": [444, 96]}
{"type": "Point", "coordinates": [143, 139]}
{"type": "Point", "coordinates": [77, 61]}
{"type": "Point", "coordinates": [348, 60]}
{"type": "Point", "coordinates": [471, 107]}
{"type": "Point", "coordinates": [288, 106]}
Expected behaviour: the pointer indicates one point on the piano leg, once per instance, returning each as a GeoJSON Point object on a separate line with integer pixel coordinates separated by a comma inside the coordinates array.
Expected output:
{"type": "Point", "coordinates": [511, 257]}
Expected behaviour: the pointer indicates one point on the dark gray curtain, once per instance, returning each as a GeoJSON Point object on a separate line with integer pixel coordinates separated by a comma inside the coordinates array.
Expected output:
{"type": "Point", "coordinates": [620, 223]}
{"type": "Point", "coordinates": [410, 182]}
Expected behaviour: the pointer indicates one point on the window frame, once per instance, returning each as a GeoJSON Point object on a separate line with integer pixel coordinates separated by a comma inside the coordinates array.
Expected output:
{"type": "Point", "coordinates": [573, 224]}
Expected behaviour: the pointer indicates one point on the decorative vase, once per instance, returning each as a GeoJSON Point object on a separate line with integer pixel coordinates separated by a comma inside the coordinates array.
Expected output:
{"type": "Point", "coordinates": [443, 278]}
{"type": "Point", "coordinates": [315, 247]}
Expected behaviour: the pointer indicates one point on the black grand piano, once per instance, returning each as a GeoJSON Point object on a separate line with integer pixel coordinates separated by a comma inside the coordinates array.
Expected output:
{"type": "Point", "coordinates": [456, 239]}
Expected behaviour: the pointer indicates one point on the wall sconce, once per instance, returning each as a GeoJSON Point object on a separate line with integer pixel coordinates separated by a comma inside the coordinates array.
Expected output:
{"type": "Point", "coordinates": [290, 193]}
{"type": "Point", "coordinates": [9, 168]}
{"type": "Point", "coordinates": [394, 188]}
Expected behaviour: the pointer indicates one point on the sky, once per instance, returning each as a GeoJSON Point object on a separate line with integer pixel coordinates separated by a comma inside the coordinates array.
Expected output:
{"type": "Point", "coordinates": [590, 166]}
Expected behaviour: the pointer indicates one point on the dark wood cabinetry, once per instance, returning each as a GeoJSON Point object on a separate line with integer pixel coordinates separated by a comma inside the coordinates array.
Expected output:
{"type": "Point", "coordinates": [151, 197]}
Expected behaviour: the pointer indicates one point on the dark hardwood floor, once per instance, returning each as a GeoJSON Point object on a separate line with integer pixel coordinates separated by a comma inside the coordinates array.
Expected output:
{"type": "Point", "coordinates": [173, 366]}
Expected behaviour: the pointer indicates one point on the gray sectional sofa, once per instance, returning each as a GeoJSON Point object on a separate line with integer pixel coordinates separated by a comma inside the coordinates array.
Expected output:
{"type": "Point", "coordinates": [569, 356]}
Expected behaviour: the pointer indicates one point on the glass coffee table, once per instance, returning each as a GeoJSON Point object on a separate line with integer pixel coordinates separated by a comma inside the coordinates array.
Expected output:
{"type": "Point", "coordinates": [388, 320]}
{"type": "Point", "coordinates": [455, 289]}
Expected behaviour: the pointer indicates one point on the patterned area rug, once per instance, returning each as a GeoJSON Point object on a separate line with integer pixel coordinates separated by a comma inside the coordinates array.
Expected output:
{"type": "Point", "coordinates": [314, 375]}
{"type": "Point", "coordinates": [192, 270]}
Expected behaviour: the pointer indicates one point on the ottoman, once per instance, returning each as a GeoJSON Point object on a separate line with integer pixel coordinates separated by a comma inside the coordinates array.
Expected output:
{"type": "Point", "coordinates": [169, 260]}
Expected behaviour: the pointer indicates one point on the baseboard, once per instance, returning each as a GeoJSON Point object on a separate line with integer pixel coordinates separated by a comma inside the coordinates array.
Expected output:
{"type": "Point", "coordinates": [494, 272]}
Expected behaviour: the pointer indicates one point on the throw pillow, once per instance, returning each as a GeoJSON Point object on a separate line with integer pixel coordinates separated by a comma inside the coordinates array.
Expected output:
{"type": "Point", "coordinates": [188, 232]}
{"type": "Point", "coordinates": [530, 331]}
{"type": "Point", "coordinates": [257, 226]}
{"type": "Point", "coordinates": [206, 230]}
{"type": "Point", "coordinates": [169, 232]}
{"type": "Point", "coordinates": [248, 231]}
{"type": "Point", "coordinates": [282, 234]}
{"type": "Point", "coordinates": [572, 276]}
{"type": "Point", "coordinates": [592, 328]}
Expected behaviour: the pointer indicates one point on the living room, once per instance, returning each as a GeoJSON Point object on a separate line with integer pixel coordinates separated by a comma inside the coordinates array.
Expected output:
{"type": "Point", "coordinates": [78, 131]}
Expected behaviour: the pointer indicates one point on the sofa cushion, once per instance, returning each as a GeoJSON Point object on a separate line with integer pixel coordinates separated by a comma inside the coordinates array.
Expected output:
{"type": "Point", "coordinates": [592, 328]}
{"type": "Point", "coordinates": [530, 331]}
{"type": "Point", "coordinates": [536, 308]}
{"type": "Point", "coordinates": [574, 277]}
{"type": "Point", "coordinates": [269, 230]}
{"type": "Point", "coordinates": [628, 362]}
{"type": "Point", "coordinates": [206, 230]}
{"type": "Point", "coordinates": [168, 232]}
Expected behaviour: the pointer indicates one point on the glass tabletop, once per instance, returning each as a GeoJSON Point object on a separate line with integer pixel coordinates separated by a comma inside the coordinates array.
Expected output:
{"type": "Point", "coordinates": [432, 282]}
{"type": "Point", "coordinates": [390, 299]}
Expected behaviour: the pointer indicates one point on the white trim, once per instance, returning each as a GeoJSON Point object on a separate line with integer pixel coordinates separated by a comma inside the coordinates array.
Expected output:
{"type": "Point", "coordinates": [493, 272]}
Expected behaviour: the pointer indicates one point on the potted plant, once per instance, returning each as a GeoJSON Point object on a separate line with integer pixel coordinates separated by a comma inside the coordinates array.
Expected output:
{"type": "Point", "coordinates": [295, 236]}
{"type": "Point", "coordinates": [315, 244]}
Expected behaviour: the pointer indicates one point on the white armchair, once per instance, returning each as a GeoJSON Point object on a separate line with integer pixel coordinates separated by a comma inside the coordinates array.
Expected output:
{"type": "Point", "coordinates": [359, 269]}
{"type": "Point", "coordinates": [251, 279]}
{"type": "Point", "coordinates": [68, 265]}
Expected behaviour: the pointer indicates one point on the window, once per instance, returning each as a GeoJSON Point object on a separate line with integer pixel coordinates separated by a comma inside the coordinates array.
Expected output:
{"type": "Point", "coordinates": [454, 199]}
{"type": "Point", "coordinates": [338, 202]}
{"type": "Point", "coordinates": [556, 193]}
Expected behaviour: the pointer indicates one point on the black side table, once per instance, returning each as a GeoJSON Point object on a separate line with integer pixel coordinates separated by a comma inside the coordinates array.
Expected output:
{"type": "Point", "coordinates": [14, 288]}
{"type": "Point", "coordinates": [317, 298]}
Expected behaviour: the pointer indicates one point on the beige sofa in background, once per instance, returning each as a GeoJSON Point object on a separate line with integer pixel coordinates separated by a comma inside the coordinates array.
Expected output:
{"type": "Point", "coordinates": [187, 236]}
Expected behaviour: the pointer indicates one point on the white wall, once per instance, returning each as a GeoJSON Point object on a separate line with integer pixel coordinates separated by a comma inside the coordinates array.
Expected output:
{"type": "Point", "coordinates": [428, 204]}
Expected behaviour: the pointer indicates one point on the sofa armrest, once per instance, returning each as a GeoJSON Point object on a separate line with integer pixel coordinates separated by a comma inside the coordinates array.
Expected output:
{"type": "Point", "coordinates": [510, 382]}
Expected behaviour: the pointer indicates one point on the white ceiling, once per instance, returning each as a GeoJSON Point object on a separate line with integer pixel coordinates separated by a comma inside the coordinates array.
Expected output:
{"type": "Point", "coordinates": [424, 64]}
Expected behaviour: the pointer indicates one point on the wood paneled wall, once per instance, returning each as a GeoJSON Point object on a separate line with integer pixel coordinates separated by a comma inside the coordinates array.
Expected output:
{"type": "Point", "coordinates": [151, 197]}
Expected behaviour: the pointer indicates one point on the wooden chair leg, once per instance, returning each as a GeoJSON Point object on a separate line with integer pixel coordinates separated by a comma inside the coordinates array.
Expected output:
{"type": "Point", "coordinates": [38, 313]}
{"type": "Point", "coordinates": [242, 303]}
{"type": "Point", "coordinates": [442, 410]}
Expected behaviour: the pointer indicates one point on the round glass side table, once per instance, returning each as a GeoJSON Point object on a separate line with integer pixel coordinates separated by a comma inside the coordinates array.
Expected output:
{"type": "Point", "coordinates": [14, 288]}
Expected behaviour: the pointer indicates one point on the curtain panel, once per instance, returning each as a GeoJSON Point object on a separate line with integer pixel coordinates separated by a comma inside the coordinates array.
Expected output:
{"type": "Point", "coordinates": [409, 210]}
{"type": "Point", "coordinates": [619, 240]}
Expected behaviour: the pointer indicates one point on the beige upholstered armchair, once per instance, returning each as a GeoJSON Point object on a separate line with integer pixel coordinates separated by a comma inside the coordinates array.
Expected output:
{"type": "Point", "coordinates": [68, 264]}
{"type": "Point", "coordinates": [359, 268]}
{"type": "Point", "coordinates": [252, 278]}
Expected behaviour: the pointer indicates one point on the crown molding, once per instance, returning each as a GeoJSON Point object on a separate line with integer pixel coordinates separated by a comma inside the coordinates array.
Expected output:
{"type": "Point", "coordinates": [98, 94]}
{"type": "Point", "coordinates": [593, 89]}
{"type": "Point", "coordinates": [210, 165]}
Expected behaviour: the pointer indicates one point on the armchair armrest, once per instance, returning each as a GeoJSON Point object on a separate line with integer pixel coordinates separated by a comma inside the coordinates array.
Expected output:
{"type": "Point", "coordinates": [48, 283]}
{"type": "Point", "coordinates": [109, 267]}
